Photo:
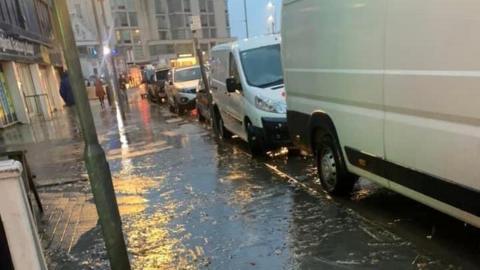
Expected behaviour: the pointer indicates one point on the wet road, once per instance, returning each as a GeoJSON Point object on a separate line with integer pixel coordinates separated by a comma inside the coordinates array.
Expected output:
{"type": "Point", "coordinates": [189, 201]}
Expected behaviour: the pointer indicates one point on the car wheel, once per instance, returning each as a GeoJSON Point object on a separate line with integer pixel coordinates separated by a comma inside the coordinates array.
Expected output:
{"type": "Point", "coordinates": [254, 142]}
{"type": "Point", "coordinates": [334, 177]}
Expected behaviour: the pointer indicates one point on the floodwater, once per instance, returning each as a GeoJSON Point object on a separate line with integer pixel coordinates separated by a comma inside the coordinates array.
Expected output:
{"type": "Point", "coordinates": [190, 201]}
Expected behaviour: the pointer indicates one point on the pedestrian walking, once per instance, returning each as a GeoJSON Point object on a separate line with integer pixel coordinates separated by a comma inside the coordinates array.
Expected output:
{"type": "Point", "coordinates": [122, 82]}
{"type": "Point", "coordinates": [66, 90]}
{"type": "Point", "coordinates": [100, 92]}
{"type": "Point", "coordinates": [67, 95]}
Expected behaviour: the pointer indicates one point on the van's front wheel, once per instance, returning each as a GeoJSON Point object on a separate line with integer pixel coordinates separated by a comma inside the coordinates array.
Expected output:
{"type": "Point", "coordinates": [254, 141]}
{"type": "Point", "coordinates": [333, 175]}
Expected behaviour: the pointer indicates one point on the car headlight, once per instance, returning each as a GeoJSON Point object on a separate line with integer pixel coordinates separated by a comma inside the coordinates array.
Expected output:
{"type": "Point", "coordinates": [188, 91]}
{"type": "Point", "coordinates": [269, 105]}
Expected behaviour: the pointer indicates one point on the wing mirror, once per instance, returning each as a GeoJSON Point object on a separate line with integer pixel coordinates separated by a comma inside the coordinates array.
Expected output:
{"type": "Point", "coordinates": [233, 85]}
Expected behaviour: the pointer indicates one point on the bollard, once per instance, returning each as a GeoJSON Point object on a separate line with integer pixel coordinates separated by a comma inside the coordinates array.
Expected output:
{"type": "Point", "coordinates": [18, 222]}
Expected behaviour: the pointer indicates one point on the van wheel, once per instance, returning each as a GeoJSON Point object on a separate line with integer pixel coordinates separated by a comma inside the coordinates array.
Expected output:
{"type": "Point", "coordinates": [221, 131]}
{"type": "Point", "coordinates": [333, 175]}
{"type": "Point", "coordinates": [254, 142]}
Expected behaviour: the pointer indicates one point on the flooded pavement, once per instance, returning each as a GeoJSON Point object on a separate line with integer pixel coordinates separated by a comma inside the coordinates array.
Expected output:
{"type": "Point", "coordinates": [189, 201]}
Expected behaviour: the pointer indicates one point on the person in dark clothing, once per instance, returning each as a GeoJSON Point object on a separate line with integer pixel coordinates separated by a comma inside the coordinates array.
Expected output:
{"type": "Point", "coordinates": [66, 91]}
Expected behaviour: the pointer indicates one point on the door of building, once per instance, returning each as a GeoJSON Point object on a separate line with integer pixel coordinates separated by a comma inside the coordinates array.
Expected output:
{"type": "Point", "coordinates": [28, 89]}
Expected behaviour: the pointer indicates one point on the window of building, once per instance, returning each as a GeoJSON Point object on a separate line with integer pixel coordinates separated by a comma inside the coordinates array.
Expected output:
{"type": "Point", "coordinates": [123, 36]}
{"type": "Point", "coordinates": [211, 20]}
{"type": "Point", "coordinates": [177, 21]}
{"type": "Point", "coordinates": [121, 19]}
{"type": "Point", "coordinates": [186, 6]}
{"type": "Point", "coordinates": [210, 6]}
{"type": "Point", "coordinates": [133, 19]}
{"type": "Point", "coordinates": [203, 5]}
{"type": "Point", "coordinates": [136, 36]}
{"type": "Point", "coordinates": [162, 22]}
{"type": "Point", "coordinates": [162, 49]}
{"type": "Point", "coordinates": [204, 20]}
{"type": "Point", "coordinates": [184, 48]}
{"type": "Point", "coordinates": [163, 35]}
{"type": "Point", "coordinates": [179, 34]}
{"type": "Point", "coordinates": [174, 5]}
{"type": "Point", "coordinates": [82, 50]}
{"type": "Point", "coordinates": [213, 33]}
{"type": "Point", "coordinates": [160, 7]}
{"type": "Point", "coordinates": [205, 33]}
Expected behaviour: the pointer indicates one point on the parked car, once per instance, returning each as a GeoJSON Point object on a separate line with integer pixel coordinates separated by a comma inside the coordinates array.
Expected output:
{"type": "Point", "coordinates": [399, 107]}
{"type": "Point", "coordinates": [156, 86]}
{"type": "Point", "coordinates": [203, 103]}
{"type": "Point", "coordinates": [182, 88]}
{"type": "Point", "coordinates": [248, 92]}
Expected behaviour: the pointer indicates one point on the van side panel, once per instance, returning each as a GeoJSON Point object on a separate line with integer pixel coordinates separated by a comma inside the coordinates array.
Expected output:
{"type": "Point", "coordinates": [432, 88]}
{"type": "Point", "coordinates": [323, 63]}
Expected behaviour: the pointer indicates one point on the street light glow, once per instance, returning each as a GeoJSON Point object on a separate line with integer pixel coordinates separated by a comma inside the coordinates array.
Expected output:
{"type": "Point", "coordinates": [106, 50]}
{"type": "Point", "coordinates": [270, 18]}
{"type": "Point", "coordinates": [270, 5]}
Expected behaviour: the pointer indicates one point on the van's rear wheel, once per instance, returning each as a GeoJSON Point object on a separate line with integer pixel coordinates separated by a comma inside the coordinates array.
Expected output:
{"type": "Point", "coordinates": [332, 172]}
{"type": "Point", "coordinates": [219, 127]}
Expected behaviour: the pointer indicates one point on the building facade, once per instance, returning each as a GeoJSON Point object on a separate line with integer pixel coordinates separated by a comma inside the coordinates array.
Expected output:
{"type": "Point", "coordinates": [30, 62]}
{"type": "Point", "coordinates": [170, 34]}
{"type": "Point", "coordinates": [145, 31]}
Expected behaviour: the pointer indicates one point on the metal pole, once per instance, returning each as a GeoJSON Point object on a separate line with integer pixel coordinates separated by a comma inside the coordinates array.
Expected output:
{"type": "Point", "coordinates": [246, 17]}
{"type": "Point", "coordinates": [100, 54]}
{"type": "Point", "coordinates": [95, 160]}
{"type": "Point", "coordinates": [111, 64]}
{"type": "Point", "coordinates": [202, 70]}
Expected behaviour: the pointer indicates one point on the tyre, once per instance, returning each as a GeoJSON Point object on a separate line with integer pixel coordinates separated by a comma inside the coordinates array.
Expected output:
{"type": "Point", "coordinates": [334, 177]}
{"type": "Point", "coordinates": [255, 143]}
{"type": "Point", "coordinates": [220, 129]}
{"type": "Point", "coordinates": [171, 108]}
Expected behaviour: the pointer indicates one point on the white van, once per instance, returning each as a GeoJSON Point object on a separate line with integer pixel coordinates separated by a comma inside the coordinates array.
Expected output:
{"type": "Point", "coordinates": [248, 92]}
{"type": "Point", "coordinates": [388, 90]}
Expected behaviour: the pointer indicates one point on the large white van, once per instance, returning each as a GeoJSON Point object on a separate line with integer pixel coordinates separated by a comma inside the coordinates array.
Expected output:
{"type": "Point", "coordinates": [248, 92]}
{"type": "Point", "coordinates": [388, 90]}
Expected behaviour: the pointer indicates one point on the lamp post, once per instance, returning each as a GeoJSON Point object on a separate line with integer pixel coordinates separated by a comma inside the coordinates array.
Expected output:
{"type": "Point", "coordinates": [271, 17]}
{"type": "Point", "coordinates": [246, 17]}
{"type": "Point", "coordinates": [95, 159]}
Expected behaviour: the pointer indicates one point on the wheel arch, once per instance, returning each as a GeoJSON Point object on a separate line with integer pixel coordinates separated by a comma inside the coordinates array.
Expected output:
{"type": "Point", "coordinates": [321, 121]}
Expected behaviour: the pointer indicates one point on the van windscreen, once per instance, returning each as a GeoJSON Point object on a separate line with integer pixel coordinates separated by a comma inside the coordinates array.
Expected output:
{"type": "Point", "coordinates": [262, 66]}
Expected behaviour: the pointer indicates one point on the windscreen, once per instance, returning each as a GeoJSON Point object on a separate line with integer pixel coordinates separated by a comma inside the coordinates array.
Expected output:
{"type": "Point", "coordinates": [263, 66]}
{"type": "Point", "coordinates": [188, 74]}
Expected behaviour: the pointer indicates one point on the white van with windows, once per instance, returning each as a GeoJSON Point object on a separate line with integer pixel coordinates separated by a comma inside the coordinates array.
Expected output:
{"type": "Point", "coordinates": [248, 92]}
{"type": "Point", "coordinates": [388, 90]}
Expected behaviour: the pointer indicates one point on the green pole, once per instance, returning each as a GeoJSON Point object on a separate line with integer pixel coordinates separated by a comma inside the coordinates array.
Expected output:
{"type": "Point", "coordinates": [95, 159]}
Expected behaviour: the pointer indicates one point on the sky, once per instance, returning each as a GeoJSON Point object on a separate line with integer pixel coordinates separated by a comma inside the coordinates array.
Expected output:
{"type": "Point", "coordinates": [257, 17]}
